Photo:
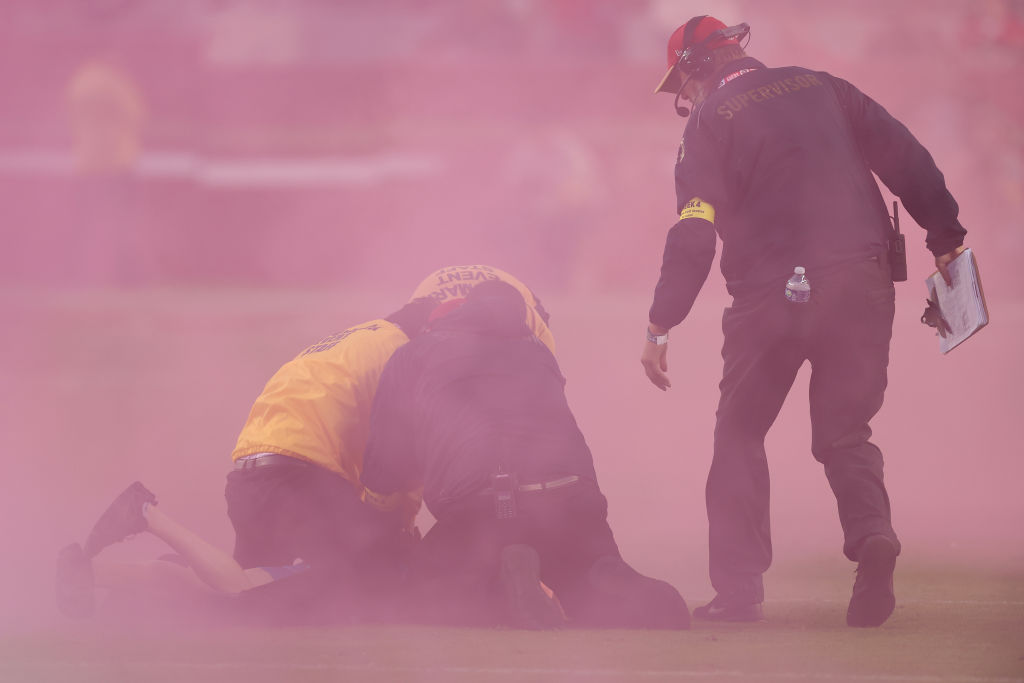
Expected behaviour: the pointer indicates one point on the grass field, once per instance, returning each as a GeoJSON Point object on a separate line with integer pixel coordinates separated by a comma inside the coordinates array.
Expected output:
{"type": "Point", "coordinates": [103, 388]}
{"type": "Point", "coordinates": [949, 625]}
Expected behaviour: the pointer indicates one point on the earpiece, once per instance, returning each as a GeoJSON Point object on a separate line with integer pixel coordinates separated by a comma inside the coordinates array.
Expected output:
{"type": "Point", "coordinates": [695, 59]}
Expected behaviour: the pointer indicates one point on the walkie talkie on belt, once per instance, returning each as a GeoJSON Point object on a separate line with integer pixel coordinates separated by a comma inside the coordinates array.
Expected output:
{"type": "Point", "coordinates": [897, 248]}
{"type": "Point", "coordinates": [503, 487]}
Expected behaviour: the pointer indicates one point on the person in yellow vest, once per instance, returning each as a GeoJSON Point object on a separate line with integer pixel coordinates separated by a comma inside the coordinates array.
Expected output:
{"type": "Point", "coordinates": [294, 490]}
{"type": "Point", "coordinates": [293, 498]}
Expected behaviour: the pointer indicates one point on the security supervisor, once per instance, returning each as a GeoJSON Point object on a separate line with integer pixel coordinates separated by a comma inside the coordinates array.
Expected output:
{"type": "Point", "coordinates": [778, 162]}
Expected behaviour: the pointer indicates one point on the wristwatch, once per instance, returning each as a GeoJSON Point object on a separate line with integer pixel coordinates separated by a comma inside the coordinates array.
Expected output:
{"type": "Point", "coordinates": [658, 339]}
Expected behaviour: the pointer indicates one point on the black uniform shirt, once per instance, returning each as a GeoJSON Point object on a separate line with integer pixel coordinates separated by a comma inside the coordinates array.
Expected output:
{"type": "Point", "coordinates": [779, 162]}
{"type": "Point", "coordinates": [476, 393]}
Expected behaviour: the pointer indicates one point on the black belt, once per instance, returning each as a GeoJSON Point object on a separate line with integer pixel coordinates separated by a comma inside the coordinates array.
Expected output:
{"type": "Point", "coordinates": [265, 459]}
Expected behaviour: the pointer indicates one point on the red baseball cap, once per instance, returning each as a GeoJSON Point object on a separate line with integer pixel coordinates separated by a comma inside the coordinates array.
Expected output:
{"type": "Point", "coordinates": [703, 28]}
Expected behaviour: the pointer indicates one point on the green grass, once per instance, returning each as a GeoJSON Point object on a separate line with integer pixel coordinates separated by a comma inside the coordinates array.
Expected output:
{"type": "Point", "coordinates": [155, 384]}
{"type": "Point", "coordinates": [949, 625]}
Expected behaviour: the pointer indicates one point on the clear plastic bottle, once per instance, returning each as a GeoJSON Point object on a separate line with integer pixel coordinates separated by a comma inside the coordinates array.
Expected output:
{"type": "Point", "coordinates": [798, 287]}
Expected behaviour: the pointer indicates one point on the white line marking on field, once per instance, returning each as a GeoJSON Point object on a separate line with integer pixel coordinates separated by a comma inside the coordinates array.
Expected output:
{"type": "Point", "coordinates": [517, 671]}
{"type": "Point", "coordinates": [1013, 603]}
{"type": "Point", "coordinates": [987, 603]}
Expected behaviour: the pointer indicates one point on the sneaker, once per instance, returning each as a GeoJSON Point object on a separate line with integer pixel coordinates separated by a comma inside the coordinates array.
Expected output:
{"type": "Point", "coordinates": [723, 609]}
{"type": "Point", "coordinates": [122, 519]}
{"type": "Point", "coordinates": [529, 606]}
{"type": "Point", "coordinates": [74, 584]}
{"type": "Point", "coordinates": [873, 598]}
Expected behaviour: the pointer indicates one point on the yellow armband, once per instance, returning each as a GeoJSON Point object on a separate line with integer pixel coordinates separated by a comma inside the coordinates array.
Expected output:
{"type": "Point", "coordinates": [698, 208]}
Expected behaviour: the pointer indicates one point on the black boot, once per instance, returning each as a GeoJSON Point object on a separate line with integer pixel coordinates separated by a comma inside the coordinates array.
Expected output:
{"type": "Point", "coordinates": [528, 605]}
{"type": "Point", "coordinates": [726, 608]}
{"type": "Point", "coordinates": [873, 597]}
{"type": "Point", "coordinates": [122, 519]}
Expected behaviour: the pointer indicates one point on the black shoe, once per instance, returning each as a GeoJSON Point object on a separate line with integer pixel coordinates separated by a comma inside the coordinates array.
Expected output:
{"type": "Point", "coordinates": [529, 606]}
{"type": "Point", "coordinates": [873, 597]}
{"type": "Point", "coordinates": [122, 519]}
{"type": "Point", "coordinates": [76, 597]}
{"type": "Point", "coordinates": [724, 609]}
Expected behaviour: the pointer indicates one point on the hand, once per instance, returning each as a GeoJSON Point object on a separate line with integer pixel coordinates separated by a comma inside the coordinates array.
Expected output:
{"type": "Point", "coordinates": [654, 358]}
{"type": "Point", "coordinates": [942, 263]}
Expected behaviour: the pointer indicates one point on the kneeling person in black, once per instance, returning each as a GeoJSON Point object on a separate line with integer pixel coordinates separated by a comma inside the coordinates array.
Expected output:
{"type": "Point", "coordinates": [474, 411]}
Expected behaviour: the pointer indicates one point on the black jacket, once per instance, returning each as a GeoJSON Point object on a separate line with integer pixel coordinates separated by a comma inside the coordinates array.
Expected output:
{"type": "Point", "coordinates": [476, 393]}
{"type": "Point", "coordinates": [784, 157]}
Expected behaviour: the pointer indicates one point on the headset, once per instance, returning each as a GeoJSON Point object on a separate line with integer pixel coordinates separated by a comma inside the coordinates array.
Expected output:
{"type": "Point", "coordinates": [697, 61]}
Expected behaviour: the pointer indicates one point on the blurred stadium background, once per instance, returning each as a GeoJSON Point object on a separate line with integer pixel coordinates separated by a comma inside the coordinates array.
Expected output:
{"type": "Point", "coordinates": [318, 142]}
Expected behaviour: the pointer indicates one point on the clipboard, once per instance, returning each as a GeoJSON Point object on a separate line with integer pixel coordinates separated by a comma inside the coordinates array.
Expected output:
{"type": "Point", "coordinates": [962, 308]}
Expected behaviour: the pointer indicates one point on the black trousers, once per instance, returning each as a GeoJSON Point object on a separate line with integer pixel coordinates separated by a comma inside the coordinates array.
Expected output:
{"type": "Point", "coordinates": [844, 331]}
{"type": "Point", "coordinates": [284, 512]}
{"type": "Point", "coordinates": [456, 572]}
